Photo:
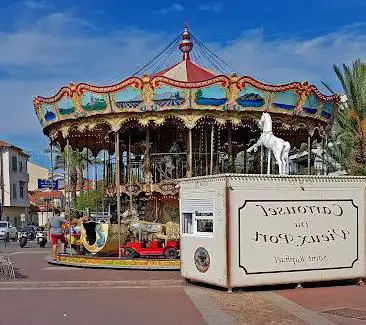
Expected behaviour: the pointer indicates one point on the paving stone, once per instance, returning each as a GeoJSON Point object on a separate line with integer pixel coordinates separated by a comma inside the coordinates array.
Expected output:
{"type": "Point", "coordinates": [251, 308]}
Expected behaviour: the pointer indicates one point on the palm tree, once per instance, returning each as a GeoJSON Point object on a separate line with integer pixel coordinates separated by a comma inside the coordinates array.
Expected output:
{"type": "Point", "coordinates": [350, 120]}
{"type": "Point", "coordinates": [77, 164]}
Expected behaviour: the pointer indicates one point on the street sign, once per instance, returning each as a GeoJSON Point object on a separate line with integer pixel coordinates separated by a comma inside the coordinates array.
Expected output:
{"type": "Point", "coordinates": [47, 183]}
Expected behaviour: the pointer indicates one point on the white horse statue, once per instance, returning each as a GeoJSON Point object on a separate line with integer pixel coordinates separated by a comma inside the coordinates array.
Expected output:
{"type": "Point", "coordinates": [278, 146]}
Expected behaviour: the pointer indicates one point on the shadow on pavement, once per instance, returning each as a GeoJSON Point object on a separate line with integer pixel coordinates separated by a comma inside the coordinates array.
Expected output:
{"type": "Point", "coordinates": [281, 287]}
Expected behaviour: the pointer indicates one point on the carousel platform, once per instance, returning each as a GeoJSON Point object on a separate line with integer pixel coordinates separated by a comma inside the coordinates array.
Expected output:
{"type": "Point", "coordinates": [96, 262]}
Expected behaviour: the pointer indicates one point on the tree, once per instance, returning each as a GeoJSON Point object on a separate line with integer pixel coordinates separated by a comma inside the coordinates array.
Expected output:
{"type": "Point", "coordinates": [350, 120]}
{"type": "Point", "coordinates": [77, 164]}
{"type": "Point", "coordinates": [89, 199]}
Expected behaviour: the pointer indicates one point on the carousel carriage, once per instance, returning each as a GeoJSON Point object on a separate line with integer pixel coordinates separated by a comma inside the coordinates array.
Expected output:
{"type": "Point", "coordinates": [181, 121]}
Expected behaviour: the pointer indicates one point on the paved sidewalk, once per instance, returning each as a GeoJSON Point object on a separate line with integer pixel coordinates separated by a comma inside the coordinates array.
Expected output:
{"type": "Point", "coordinates": [341, 304]}
{"type": "Point", "coordinates": [251, 308]}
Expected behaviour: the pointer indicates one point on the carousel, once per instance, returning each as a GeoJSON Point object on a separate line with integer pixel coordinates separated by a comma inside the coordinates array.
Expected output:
{"type": "Point", "coordinates": [185, 113]}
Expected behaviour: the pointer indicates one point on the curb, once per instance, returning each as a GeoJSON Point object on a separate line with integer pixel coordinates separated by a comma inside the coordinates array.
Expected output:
{"type": "Point", "coordinates": [212, 314]}
{"type": "Point", "coordinates": [115, 267]}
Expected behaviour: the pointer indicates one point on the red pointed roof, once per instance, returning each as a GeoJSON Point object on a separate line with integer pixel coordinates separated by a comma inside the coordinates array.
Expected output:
{"type": "Point", "coordinates": [186, 71]}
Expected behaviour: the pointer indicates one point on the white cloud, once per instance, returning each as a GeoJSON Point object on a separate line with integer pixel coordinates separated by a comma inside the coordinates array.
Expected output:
{"type": "Point", "coordinates": [50, 48]}
{"type": "Point", "coordinates": [294, 59]}
{"type": "Point", "coordinates": [213, 6]}
{"type": "Point", "coordinates": [46, 56]}
{"type": "Point", "coordinates": [175, 7]}
{"type": "Point", "coordinates": [36, 5]}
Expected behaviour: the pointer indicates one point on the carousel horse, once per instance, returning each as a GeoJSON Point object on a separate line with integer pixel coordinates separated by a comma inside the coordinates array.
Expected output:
{"type": "Point", "coordinates": [130, 214]}
{"type": "Point", "coordinates": [167, 160]}
{"type": "Point", "coordinates": [278, 146]}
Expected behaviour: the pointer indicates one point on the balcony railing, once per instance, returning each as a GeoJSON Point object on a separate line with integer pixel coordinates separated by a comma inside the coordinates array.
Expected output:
{"type": "Point", "coordinates": [169, 166]}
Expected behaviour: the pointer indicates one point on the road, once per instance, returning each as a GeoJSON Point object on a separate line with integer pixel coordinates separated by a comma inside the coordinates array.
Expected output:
{"type": "Point", "coordinates": [45, 294]}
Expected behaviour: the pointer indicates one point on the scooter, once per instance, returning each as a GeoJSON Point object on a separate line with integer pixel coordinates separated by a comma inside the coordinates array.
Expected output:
{"type": "Point", "coordinates": [23, 239]}
{"type": "Point", "coordinates": [41, 238]}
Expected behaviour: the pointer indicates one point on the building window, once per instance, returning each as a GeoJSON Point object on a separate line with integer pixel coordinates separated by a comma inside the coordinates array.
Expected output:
{"type": "Point", "coordinates": [14, 191]}
{"type": "Point", "coordinates": [20, 166]}
{"type": "Point", "coordinates": [21, 190]}
{"type": "Point", "coordinates": [14, 163]}
{"type": "Point", "coordinates": [187, 223]}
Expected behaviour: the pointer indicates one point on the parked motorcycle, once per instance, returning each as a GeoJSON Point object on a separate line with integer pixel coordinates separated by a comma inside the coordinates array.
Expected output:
{"type": "Point", "coordinates": [22, 238]}
{"type": "Point", "coordinates": [41, 237]}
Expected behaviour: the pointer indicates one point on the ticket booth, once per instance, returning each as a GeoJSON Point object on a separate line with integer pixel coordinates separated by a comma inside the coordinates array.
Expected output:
{"type": "Point", "coordinates": [250, 230]}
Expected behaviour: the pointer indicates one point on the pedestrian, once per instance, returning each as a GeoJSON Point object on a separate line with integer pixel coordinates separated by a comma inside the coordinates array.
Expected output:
{"type": "Point", "coordinates": [56, 233]}
{"type": "Point", "coordinates": [113, 219]}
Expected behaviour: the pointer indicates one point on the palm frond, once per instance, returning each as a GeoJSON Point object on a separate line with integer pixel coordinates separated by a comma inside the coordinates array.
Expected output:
{"type": "Point", "coordinates": [350, 121]}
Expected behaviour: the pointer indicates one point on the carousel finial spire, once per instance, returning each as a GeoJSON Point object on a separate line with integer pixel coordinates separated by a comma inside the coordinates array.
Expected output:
{"type": "Point", "coordinates": [186, 44]}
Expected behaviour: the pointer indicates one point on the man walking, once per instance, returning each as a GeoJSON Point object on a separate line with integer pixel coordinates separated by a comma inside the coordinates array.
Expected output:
{"type": "Point", "coordinates": [56, 232]}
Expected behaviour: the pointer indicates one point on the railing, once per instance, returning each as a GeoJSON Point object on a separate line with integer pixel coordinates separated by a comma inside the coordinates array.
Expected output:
{"type": "Point", "coordinates": [163, 166]}
{"type": "Point", "coordinates": [137, 171]}
{"type": "Point", "coordinates": [169, 166]}
{"type": "Point", "coordinates": [221, 163]}
{"type": "Point", "coordinates": [166, 166]}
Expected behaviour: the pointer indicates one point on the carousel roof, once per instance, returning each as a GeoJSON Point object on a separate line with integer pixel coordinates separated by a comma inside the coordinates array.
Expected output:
{"type": "Point", "coordinates": [195, 85]}
{"type": "Point", "coordinates": [186, 71]}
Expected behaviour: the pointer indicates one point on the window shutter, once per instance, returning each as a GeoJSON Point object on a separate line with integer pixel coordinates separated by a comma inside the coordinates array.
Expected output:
{"type": "Point", "coordinates": [202, 202]}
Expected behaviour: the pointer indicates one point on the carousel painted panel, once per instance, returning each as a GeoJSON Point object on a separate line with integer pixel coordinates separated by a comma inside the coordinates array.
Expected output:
{"type": "Point", "coordinates": [128, 99]}
{"type": "Point", "coordinates": [311, 105]}
{"type": "Point", "coordinates": [91, 102]}
{"type": "Point", "coordinates": [65, 107]}
{"type": "Point", "coordinates": [49, 113]}
{"type": "Point", "coordinates": [327, 111]}
{"type": "Point", "coordinates": [210, 97]}
{"type": "Point", "coordinates": [169, 97]}
{"type": "Point", "coordinates": [285, 101]}
{"type": "Point", "coordinates": [252, 98]}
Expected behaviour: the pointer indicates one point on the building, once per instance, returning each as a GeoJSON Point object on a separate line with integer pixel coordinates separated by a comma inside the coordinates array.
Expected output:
{"type": "Point", "coordinates": [35, 172]}
{"type": "Point", "coordinates": [14, 179]}
{"type": "Point", "coordinates": [45, 201]}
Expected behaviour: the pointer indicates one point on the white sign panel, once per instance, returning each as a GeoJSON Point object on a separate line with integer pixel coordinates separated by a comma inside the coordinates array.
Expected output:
{"type": "Point", "coordinates": [297, 235]}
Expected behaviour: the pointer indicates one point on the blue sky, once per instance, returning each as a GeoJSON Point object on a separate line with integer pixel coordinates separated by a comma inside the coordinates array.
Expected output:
{"type": "Point", "coordinates": [45, 44]}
